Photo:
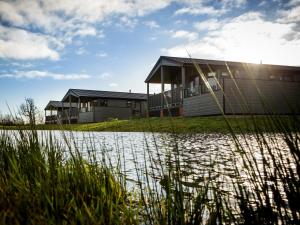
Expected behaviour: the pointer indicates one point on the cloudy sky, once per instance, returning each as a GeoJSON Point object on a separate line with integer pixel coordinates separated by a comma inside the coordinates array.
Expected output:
{"type": "Point", "coordinates": [49, 46]}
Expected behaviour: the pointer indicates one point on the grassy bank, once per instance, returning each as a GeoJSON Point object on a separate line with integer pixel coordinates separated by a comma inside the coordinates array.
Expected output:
{"type": "Point", "coordinates": [176, 124]}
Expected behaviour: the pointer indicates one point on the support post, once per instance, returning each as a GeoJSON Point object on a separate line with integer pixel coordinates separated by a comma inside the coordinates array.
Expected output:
{"type": "Point", "coordinates": [148, 108]}
{"type": "Point", "coordinates": [172, 93]}
{"type": "Point", "coordinates": [51, 115]}
{"type": "Point", "coordinates": [70, 109]}
{"type": "Point", "coordinates": [78, 108]}
{"type": "Point", "coordinates": [162, 90]}
{"type": "Point", "coordinates": [62, 113]}
{"type": "Point", "coordinates": [183, 89]}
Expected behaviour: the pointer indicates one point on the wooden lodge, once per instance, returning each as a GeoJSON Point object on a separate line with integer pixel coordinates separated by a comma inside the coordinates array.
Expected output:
{"type": "Point", "coordinates": [56, 112]}
{"type": "Point", "coordinates": [239, 88]}
{"type": "Point", "coordinates": [87, 106]}
{"type": "Point", "coordinates": [197, 87]}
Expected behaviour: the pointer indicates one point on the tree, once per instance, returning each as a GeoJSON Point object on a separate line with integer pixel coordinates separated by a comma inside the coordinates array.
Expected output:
{"type": "Point", "coordinates": [29, 111]}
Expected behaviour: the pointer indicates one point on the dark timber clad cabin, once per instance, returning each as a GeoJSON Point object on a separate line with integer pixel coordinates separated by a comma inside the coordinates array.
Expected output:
{"type": "Point", "coordinates": [96, 106]}
{"type": "Point", "coordinates": [252, 86]}
{"type": "Point", "coordinates": [55, 111]}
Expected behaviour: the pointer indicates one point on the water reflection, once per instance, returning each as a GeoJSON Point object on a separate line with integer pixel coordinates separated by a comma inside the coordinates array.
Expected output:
{"type": "Point", "coordinates": [198, 156]}
{"type": "Point", "coordinates": [153, 161]}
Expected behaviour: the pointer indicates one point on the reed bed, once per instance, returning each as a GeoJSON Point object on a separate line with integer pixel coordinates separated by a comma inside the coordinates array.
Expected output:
{"type": "Point", "coordinates": [40, 185]}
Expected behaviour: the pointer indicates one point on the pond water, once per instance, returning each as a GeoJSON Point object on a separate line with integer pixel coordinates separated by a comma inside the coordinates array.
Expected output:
{"type": "Point", "coordinates": [195, 161]}
{"type": "Point", "coordinates": [198, 156]}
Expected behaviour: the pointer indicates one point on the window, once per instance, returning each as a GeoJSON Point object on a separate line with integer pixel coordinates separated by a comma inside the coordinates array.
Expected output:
{"type": "Point", "coordinates": [197, 81]}
{"type": "Point", "coordinates": [288, 78]}
{"type": "Point", "coordinates": [94, 103]}
{"type": "Point", "coordinates": [99, 102]}
{"type": "Point", "coordinates": [211, 74]}
{"type": "Point", "coordinates": [129, 104]}
{"type": "Point", "coordinates": [224, 74]}
{"type": "Point", "coordinates": [212, 81]}
{"type": "Point", "coordinates": [237, 74]}
{"type": "Point", "coordinates": [103, 102]}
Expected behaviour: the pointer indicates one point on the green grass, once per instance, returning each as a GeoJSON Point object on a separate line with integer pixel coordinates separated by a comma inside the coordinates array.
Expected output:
{"type": "Point", "coordinates": [210, 124]}
{"type": "Point", "coordinates": [38, 185]}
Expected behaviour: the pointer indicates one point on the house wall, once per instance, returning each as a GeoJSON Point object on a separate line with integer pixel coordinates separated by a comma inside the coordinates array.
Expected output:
{"type": "Point", "coordinates": [202, 104]}
{"type": "Point", "coordinates": [116, 103]}
{"type": "Point", "coordinates": [142, 106]}
{"type": "Point", "coordinates": [115, 109]}
{"type": "Point", "coordinates": [86, 117]}
{"type": "Point", "coordinates": [105, 113]}
{"type": "Point", "coordinates": [139, 105]}
{"type": "Point", "coordinates": [280, 96]}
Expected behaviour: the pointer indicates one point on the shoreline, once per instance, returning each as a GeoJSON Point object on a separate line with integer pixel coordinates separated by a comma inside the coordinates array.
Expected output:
{"type": "Point", "coordinates": [211, 124]}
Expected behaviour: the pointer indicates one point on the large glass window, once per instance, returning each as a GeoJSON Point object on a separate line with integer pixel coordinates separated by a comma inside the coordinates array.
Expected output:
{"type": "Point", "coordinates": [212, 81]}
{"type": "Point", "coordinates": [102, 102]}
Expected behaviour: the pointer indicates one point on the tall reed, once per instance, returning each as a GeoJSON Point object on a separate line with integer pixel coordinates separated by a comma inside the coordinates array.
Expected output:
{"type": "Point", "coordinates": [40, 185]}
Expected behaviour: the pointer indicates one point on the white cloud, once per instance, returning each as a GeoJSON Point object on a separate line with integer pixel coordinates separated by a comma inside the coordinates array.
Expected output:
{"type": "Point", "coordinates": [10, 13]}
{"type": "Point", "coordinates": [64, 20]}
{"type": "Point", "coordinates": [21, 65]}
{"type": "Point", "coordinates": [126, 21]}
{"type": "Point", "coordinates": [81, 51]}
{"type": "Point", "coordinates": [185, 34]}
{"type": "Point", "coordinates": [35, 74]}
{"type": "Point", "coordinates": [104, 76]}
{"type": "Point", "coordinates": [249, 38]}
{"type": "Point", "coordinates": [201, 10]}
{"type": "Point", "coordinates": [113, 85]}
{"type": "Point", "coordinates": [86, 31]}
{"type": "Point", "coordinates": [153, 38]}
{"type": "Point", "coordinates": [233, 3]}
{"type": "Point", "coordinates": [290, 15]}
{"type": "Point", "coordinates": [293, 2]}
{"type": "Point", "coordinates": [202, 7]}
{"type": "Point", "coordinates": [211, 24]}
{"type": "Point", "coordinates": [151, 24]}
{"type": "Point", "coordinates": [101, 54]}
{"type": "Point", "coordinates": [21, 44]}
{"type": "Point", "coordinates": [262, 3]}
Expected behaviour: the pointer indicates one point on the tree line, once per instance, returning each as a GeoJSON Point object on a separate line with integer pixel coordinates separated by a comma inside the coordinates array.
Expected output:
{"type": "Point", "coordinates": [27, 113]}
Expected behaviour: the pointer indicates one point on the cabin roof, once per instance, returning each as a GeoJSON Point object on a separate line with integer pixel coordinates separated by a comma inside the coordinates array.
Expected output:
{"type": "Point", "coordinates": [104, 94]}
{"type": "Point", "coordinates": [179, 62]}
{"type": "Point", "coordinates": [59, 104]}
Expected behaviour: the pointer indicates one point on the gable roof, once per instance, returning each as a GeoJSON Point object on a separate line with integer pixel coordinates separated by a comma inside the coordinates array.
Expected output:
{"type": "Point", "coordinates": [59, 104]}
{"type": "Point", "coordinates": [179, 61]}
{"type": "Point", "coordinates": [104, 94]}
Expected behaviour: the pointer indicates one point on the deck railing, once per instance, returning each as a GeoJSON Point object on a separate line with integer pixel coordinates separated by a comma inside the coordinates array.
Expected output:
{"type": "Point", "coordinates": [51, 119]}
{"type": "Point", "coordinates": [198, 90]}
{"type": "Point", "coordinates": [65, 115]}
{"type": "Point", "coordinates": [172, 98]}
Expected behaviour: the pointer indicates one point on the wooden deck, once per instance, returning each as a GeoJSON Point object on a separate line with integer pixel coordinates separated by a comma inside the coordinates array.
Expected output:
{"type": "Point", "coordinates": [172, 99]}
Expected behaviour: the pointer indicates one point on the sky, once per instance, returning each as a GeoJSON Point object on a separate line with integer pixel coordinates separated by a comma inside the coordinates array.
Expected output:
{"type": "Point", "coordinates": [50, 46]}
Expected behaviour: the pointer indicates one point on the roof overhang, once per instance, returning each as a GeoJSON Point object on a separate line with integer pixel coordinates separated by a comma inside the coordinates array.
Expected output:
{"type": "Point", "coordinates": [54, 105]}
{"type": "Point", "coordinates": [162, 61]}
{"type": "Point", "coordinates": [175, 62]}
{"type": "Point", "coordinates": [68, 94]}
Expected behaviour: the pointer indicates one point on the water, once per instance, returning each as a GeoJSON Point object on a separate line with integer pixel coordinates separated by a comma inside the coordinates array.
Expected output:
{"type": "Point", "coordinates": [199, 157]}
{"type": "Point", "coordinates": [195, 160]}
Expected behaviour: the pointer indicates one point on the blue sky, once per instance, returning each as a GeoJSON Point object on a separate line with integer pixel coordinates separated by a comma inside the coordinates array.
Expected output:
{"type": "Point", "coordinates": [47, 47]}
